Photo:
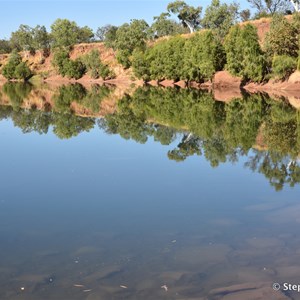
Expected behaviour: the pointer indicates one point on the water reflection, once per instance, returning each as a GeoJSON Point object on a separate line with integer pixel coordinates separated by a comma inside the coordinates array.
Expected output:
{"type": "Point", "coordinates": [82, 219]}
{"type": "Point", "coordinates": [202, 126]}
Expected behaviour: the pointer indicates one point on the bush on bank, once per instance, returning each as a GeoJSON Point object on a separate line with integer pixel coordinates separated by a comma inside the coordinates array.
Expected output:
{"type": "Point", "coordinates": [16, 69]}
{"type": "Point", "coordinates": [283, 66]}
{"type": "Point", "coordinates": [196, 58]}
{"type": "Point", "coordinates": [77, 68]}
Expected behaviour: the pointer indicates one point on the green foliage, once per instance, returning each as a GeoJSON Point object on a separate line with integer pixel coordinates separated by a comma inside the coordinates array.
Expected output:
{"type": "Point", "coordinates": [67, 33]}
{"type": "Point", "coordinates": [30, 39]}
{"type": "Point", "coordinates": [166, 59]}
{"type": "Point", "coordinates": [68, 125]}
{"type": "Point", "coordinates": [68, 94]}
{"type": "Point", "coordinates": [188, 15]}
{"type": "Point", "coordinates": [5, 47]}
{"type": "Point", "coordinates": [17, 93]}
{"type": "Point", "coordinates": [269, 7]}
{"type": "Point", "coordinates": [245, 15]}
{"type": "Point", "coordinates": [41, 38]}
{"type": "Point", "coordinates": [140, 64]}
{"type": "Point", "coordinates": [126, 123]}
{"type": "Point", "coordinates": [107, 34]}
{"type": "Point", "coordinates": [67, 67]}
{"type": "Point", "coordinates": [204, 55]}
{"type": "Point", "coordinates": [22, 39]}
{"type": "Point", "coordinates": [220, 17]}
{"type": "Point", "coordinates": [296, 25]}
{"type": "Point", "coordinates": [128, 38]}
{"type": "Point", "coordinates": [283, 66]}
{"type": "Point", "coordinates": [95, 66]}
{"type": "Point", "coordinates": [15, 68]}
{"type": "Point", "coordinates": [22, 71]}
{"type": "Point", "coordinates": [243, 53]}
{"type": "Point", "coordinates": [282, 38]}
{"type": "Point", "coordinates": [8, 71]}
{"type": "Point", "coordinates": [162, 26]}
{"type": "Point", "coordinates": [94, 97]}
{"type": "Point", "coordinates": [196, 58]}
{"type": "Point", "coordinates": [110, 36]}
{"type": "Point", "coordinates": [197, 123]}
{"type": "Point", "coordinates": [74, 68]}
{"type": "Point", "coordinates": [59, 60]}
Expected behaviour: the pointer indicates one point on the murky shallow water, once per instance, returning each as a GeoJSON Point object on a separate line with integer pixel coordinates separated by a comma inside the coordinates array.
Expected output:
{"type": "Point", "coordinates": [101, 217]}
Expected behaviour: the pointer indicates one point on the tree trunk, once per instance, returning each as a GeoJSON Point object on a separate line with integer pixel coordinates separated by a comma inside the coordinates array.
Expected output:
{"type": "Point", "coordinates": [296, 5]}
{"type": "Point", "coordinates": [190, 26]}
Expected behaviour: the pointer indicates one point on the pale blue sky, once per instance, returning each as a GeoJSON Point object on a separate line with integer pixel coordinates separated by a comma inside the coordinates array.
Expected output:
{"type": "Point", "coordinates": [92, 13]}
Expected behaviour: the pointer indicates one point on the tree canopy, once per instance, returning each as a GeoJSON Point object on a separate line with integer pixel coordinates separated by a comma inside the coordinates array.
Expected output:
{"type": "Point", "coordinates": [188, 15]}
{"type": "Point", "coordinates": [65, 33]}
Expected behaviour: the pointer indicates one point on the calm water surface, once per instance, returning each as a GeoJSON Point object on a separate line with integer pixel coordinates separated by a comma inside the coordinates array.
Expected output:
{"type": "Point", "coordinates": [97, 216]}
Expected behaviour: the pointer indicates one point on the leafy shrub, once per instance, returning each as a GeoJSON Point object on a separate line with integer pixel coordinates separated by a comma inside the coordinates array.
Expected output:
{"type": "Point", "coordinates": [204, 55]}
{"type": "Point", "coordinates": [243, 53]}
{"type": "Point", "coordinates": [95, 66]}
{"type": "Point", "coordinates": [59, 59]}
{"type": "Point", "coordinates": [283, 66]}
{"type": "Point", "coordinates": [15, 68]}
{"type": "Point", "coordinates": [67, 67]}
{"type": "Point", "coordinates": [74, 68]}
{"type": "Point", "coordinates": [196, 58]}
{"type": "Point", "coordinates": [140, 65]}
{"type": "Point", "coordinates": [123, 57]}
{"type": "Point", "coordinates": [22, 71]}
{"type": "Point", "coordinates": [128, 38]}
{"type": "Point", "coordinates": [282, 38]}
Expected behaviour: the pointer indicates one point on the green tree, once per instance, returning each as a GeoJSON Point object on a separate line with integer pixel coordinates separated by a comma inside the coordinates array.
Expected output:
{"type": "Point", "coordinates": [41, 38]}
{"type": "Point", "coordinates": [129, 37]}
{"type": "Point", "coordinates": [60, 58]}
{"type": "Point", "coordinates": [140, 64]}
{"type": "Point", "coordinates": [163, 26]}
{"type": "Point", "coordinates": [220, 17]}
{"type": "Point", "coordinates": [65, 33]}
{"type": "Point", "coordinates": [22, 72]}
{"type": "Point", "coordinates": [8, 71]}
{"type": "Point", "coordinates": [269, 6]}
{"type": "Point", "coordinates": [22, 39]}
{"type": "Point", "coordinates": [166, 59]}
{"type": "Point", "coordinates": [15, 68]}
{"type": "Point", "coordinates": [243, 53]}
{"type": "Point", "coordinates": [107, 34]}
{"type": "Point", "coordinates": [245, 15]}
{"type": "Point", "coordinates": [74, 68]}
{"type": "Point", "coordinates": [67, 67]}
{"type": "Point", "coordinates": [282, 39]}
{"type": "Point", "coordinates": [188, 15]}
{"type": "Point", "coordinates": [85, 35]}
{"type": "Point", "coordinates": [5, 47]}
{"type": "Point", "coordinates": [283, 66]}
{"type": "Point", "coordinates": [110, 37]}
{"type": "Point", "coordinates": [204, 56]}
{"type": "Point", "coordinates": [95, 66]}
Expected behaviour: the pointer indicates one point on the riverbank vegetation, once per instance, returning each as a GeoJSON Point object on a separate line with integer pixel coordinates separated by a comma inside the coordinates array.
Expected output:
{"type": "Point", "coordinates": [163, 50]}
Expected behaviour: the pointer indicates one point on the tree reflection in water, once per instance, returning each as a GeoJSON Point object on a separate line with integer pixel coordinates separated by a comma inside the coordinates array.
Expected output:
{"type": "Point", "coordinates": [266, 131]}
